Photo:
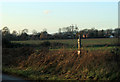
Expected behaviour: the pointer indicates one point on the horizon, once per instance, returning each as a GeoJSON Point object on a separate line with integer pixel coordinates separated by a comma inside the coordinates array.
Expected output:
{"type": "Point", "coordinates": [55, 15]}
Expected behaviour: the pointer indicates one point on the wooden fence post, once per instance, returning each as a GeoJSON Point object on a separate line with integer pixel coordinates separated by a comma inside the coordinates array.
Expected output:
{"type": "Point", "coordinates": [79, 45]}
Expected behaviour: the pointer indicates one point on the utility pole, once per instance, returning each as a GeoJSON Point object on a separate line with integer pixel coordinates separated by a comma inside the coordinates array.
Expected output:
{"type": "Point", "coordinates": [79, 44]}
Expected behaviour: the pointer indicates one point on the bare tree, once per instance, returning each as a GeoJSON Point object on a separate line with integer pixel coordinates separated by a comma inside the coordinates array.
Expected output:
{"type": "Point", "coordinates": [34, 32]}
{"type": "Point", "coordinates": [14, 33]}
{"type": "Point", "coordinates": [59, 30]}
{"type": "Point", "coordinates": [64, 29]}
{"type": "Point", "coordinates": [24, 31]}
{"type": "Point", "coordinates": [44, 30]}
{"type": "Point", "coordinates": [68, 29]}
{"type": "Point", "coordinates": [76, 28]}
{"type": "Point", "coordinates": [72, 27]}
{"type": "Point", "coordinates": [5, 31]}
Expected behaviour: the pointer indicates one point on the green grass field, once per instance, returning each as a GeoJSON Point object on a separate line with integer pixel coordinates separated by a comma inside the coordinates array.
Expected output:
{"type": "Point", "coordinates": [100, 43]}
{"type": "Point", "coordinates": [73, 41]}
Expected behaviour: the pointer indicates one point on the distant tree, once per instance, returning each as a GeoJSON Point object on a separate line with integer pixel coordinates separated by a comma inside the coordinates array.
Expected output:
{"type": "Point", "coordinates": [72, 27]}
{"type": "Point", "coordinates": [24, 35]}
{"type": "Point", "coordinates": [117, 32]}
{"type": "Point", "coordinates": [95, 33]}
{"type": "Point", "coordinates": [43, 35]}
{"type": "Point", "coordinates": [19, 32]}
{"type": "Point", "coordinates": [64, 29]}
{"type": "Point", "coordinates": [24, 31]}
{"type": "Point", "coordinates": [85, 31]}
{"type": "Point", "coordinates": [44, 30]}
{"type": "Point", "coordinates": [68, 29]}
{"type": "Point", "coordinates": [34, 32]}
{"type": "Point", "coordinates": [14, 33]}
{"type": "Point", "coordinates": [108, 32]}
{"type": "Point", "coordinates": [38, 35]}
{"type": "Point", "coordinates": [91, 33]}
{"type": "Point", "coordinates": [59, 30]}
{"type": "Point", "coordinates": [101, 33]}
{"type": "Point", "coordinates": [76, 28]}
{"type": "Point", "coordinates": [5, 31]}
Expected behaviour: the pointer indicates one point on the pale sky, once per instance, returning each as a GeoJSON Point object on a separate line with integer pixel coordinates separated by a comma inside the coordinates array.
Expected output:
{"type": "Point", "coordinates": [55, 15]}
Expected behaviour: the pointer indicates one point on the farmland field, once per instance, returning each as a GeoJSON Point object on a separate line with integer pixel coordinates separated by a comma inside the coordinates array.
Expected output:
{"type": "Point", "coordinates": [73, 41]}
{"type": "Point", "coordinates": [99, 43]}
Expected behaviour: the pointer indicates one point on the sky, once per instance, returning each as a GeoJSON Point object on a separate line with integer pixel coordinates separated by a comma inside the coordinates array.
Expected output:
{"type": "Point", "coordinates": [54, 15]}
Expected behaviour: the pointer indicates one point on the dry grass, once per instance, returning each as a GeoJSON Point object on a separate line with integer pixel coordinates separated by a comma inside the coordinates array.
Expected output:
{"type": "Point", "coordinates": [68, 65]}
{"type": "Point", "coordinates": [12, 56]}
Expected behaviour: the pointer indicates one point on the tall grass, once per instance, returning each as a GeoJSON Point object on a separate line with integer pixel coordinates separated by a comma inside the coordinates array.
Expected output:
{"type": "Point", "coordinates": [66, 64]}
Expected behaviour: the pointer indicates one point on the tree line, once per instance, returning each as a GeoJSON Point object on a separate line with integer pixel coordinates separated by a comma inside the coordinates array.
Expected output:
{"type": "Point", "coordinates": [69, 32]}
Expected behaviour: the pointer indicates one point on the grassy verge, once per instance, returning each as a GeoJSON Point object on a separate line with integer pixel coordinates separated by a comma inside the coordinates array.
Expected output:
{"type": "Point", "coordinates": [65, 64]}
{"type": "Point", "coordinates": [29, 74]}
